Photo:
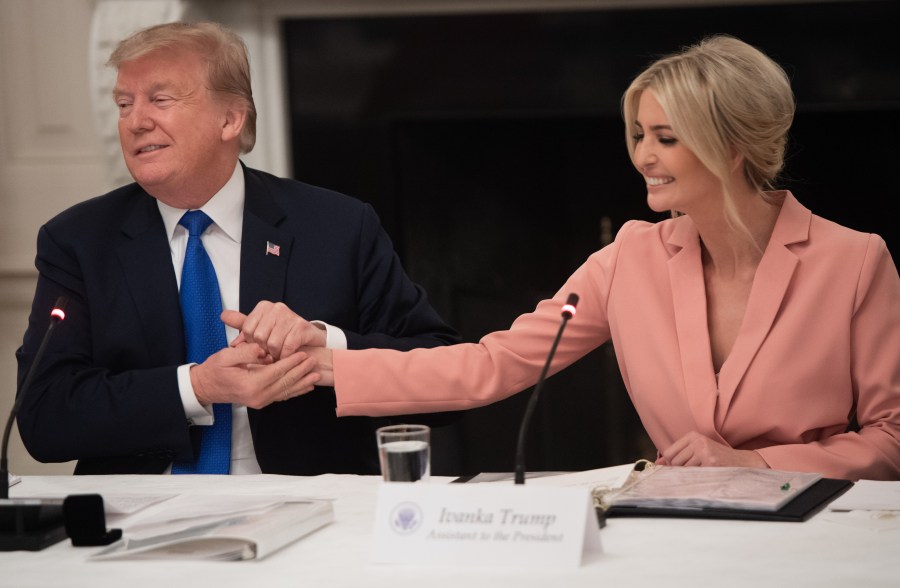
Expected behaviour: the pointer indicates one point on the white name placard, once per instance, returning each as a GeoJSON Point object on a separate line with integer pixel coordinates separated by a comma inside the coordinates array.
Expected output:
{"type": "Point", "coordinates": [484, 524]}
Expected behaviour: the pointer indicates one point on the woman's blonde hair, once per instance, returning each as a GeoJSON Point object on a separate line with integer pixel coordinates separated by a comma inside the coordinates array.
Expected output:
{"type": "Point", "coordinates": [228, 66]}
{"type": "Point", "coordinates": [723, 97]}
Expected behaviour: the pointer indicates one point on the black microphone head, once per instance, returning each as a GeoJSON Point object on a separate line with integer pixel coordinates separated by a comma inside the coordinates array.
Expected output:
{"type": "Point", "coordinates": [568, 309]}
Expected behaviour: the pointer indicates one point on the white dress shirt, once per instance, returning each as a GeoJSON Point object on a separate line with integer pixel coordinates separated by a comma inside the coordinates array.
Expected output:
{"type": "Point", "coordinates": [222, 241]}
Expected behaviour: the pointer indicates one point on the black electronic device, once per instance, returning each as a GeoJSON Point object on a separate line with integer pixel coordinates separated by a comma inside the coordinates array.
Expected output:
{"type": "Point", "coordinates": [86, 521]}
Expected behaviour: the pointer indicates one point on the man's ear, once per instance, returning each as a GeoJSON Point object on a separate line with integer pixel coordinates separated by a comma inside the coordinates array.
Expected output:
{"type": "Point", "coordinates": [233, 124]}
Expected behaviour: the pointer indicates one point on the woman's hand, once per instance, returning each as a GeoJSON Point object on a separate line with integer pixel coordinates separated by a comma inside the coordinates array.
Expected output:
{"type": "Point", "coordinates": [695, 449]}
{"type": "Point", "coordinates": [324, 365]}
{"type": "Point", "coordinates": [274, 327]}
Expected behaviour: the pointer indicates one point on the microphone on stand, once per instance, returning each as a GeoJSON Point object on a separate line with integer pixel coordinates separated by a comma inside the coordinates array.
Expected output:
{"type": "Point", "coordinates": [568, 311]}
{"type": "Point", "coordinates": [29, 523]}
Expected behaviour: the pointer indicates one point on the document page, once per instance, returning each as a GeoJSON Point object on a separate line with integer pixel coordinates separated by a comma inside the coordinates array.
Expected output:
{"type": "Point", "coordinates": [609, 477]}
{"type": "Point", "coordinates": [13, 479]}
{"type": "Point", "coordinates": [870, 495]}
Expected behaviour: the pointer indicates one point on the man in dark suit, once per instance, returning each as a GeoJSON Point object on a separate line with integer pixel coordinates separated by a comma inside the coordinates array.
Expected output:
{"type": "Point", "coordinates": [114, 390]}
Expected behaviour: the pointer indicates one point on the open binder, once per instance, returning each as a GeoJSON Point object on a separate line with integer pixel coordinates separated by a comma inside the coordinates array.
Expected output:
{"type": "Point", "coordinates": [716, 493]}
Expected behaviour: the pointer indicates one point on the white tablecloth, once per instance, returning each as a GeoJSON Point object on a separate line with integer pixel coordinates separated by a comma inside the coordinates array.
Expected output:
{"type": "Point", "coordinates": [831, 549]}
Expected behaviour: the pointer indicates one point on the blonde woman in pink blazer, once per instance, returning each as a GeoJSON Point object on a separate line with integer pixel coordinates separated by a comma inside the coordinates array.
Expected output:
{"type": "Point", "coordinates": [749, 331]}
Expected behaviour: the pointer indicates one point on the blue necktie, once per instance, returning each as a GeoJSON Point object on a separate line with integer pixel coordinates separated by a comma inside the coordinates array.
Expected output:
{"type": "Point", "coordinates": [204, 334]}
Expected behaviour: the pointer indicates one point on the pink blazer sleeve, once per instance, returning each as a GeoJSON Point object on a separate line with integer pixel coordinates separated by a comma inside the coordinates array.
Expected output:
{"type": "Point", "coordinates": [381, 382]}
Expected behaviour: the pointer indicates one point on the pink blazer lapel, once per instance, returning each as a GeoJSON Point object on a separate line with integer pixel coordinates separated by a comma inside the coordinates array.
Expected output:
{"type": "Point", "coordinates": [770, 285]}
{"type": "Point", "coordinates": [708, 399]}
{"type": "Point", "coordinates": [689, 299]}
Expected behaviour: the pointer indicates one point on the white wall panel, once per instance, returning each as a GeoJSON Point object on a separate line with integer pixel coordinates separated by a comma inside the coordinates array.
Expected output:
{"type": "Point", "coordinates": [49, 159]}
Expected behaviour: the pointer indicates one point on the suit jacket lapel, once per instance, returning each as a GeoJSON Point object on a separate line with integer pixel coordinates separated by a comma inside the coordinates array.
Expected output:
{"type": "Point", "coordinates": [770, 284]}
{"type": "Point", "coordinates": [689, 299]}
{"type": "Point", "coordinates": [147, 266]}
{"type": "Point", "coordinates": [263, 272]}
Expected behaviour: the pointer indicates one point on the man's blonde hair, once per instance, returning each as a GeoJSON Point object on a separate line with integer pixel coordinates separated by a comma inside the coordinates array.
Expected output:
{"type": "Point", "coordinates": [228, 66]}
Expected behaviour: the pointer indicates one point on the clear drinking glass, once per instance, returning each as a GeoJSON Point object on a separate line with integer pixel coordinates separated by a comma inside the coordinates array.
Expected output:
{"type": "Point", "coordinates": [404, 452]}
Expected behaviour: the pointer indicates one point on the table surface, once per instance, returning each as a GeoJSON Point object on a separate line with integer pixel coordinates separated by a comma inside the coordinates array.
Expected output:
{"type": "Point", "coordinates": [830, 549]}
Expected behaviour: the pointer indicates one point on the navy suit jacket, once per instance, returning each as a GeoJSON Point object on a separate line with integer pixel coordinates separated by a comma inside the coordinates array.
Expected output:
{"type": "Point", "coordinates": [106, 391]}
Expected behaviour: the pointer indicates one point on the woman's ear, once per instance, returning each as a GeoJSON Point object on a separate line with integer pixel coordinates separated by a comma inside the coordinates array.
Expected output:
{"type": "Point", "coordinates": [737, 159]}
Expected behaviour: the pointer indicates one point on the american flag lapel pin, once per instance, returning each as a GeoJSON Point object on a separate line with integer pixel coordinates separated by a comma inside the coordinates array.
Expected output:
{"type": "Point", "coordinates": [273, 249]}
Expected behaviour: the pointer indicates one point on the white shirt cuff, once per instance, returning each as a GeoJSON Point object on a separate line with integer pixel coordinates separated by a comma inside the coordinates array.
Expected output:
{"type": "Point", "coordinates": [195, 412]}
{"type": "Point", "coordinates": [335, 338]}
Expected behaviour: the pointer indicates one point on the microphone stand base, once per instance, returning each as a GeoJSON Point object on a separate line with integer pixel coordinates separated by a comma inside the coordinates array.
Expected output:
{"type": "Point", "coordinates": [31, 525]}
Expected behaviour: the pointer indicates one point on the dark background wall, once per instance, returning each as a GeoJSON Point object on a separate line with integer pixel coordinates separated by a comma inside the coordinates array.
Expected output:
{"type": "Point", "coordinates": [492, 147]}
